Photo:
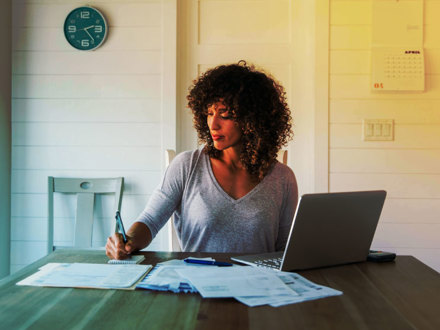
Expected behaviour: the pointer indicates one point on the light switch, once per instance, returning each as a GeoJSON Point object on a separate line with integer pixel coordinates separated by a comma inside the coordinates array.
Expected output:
{"type": "Point", "coordinates": [378, 130]}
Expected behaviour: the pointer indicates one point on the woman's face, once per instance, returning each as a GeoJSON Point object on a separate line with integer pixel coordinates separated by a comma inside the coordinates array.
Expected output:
{"type": "Point", "coordinates": [225, 132]}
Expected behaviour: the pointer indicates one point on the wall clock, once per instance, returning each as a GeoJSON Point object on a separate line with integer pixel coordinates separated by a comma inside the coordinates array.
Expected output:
{"type": "Point", "coordinates": [85, 28]}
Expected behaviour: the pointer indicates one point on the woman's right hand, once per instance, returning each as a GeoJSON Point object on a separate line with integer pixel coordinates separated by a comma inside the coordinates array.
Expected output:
{"type": "Point", "coordinates": [117, 249]}
{"type": "Point", "coordinates": [138, 237]}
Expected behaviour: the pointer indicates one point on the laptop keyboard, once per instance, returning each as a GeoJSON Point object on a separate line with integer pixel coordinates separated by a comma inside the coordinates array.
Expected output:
{"type": "Point", "coordinates": [273, 263]}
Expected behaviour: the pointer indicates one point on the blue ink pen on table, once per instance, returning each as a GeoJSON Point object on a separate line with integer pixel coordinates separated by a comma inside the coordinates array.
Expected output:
{"type": "Point", "coordinates": [207, 262]}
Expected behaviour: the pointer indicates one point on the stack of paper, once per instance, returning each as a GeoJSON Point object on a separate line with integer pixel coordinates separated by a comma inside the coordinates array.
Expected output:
{"type": "Point", "coordinates": [80, 275]}
{"type": "Point", "coordinates": [216, 282]}
{"type": "Point", "coordinates": [164, 277]}
{"type": "Point", "coordinates": [249, 285]}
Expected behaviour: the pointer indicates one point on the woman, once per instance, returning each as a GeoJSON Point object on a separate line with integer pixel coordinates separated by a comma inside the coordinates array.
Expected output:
{"type": "Point", "coordinates": [231, 195]}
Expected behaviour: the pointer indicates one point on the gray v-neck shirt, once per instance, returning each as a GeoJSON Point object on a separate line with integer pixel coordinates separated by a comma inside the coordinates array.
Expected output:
{"type": "Point", "coordinates": [207, 219]}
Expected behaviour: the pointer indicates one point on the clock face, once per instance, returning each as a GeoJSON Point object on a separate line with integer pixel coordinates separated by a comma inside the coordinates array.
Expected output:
{"type": "Point", "coordinates": [85, 28]}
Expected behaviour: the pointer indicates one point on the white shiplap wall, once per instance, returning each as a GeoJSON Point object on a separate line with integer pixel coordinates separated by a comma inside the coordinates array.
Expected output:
{"type": "Point", "coordinates": [104, 113]}
{"type": "Point", "coordinates": [408, 167]}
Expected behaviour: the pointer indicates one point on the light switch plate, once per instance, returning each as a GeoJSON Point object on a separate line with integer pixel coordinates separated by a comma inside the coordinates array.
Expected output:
{"type": "Point", "coordinates": [378, 129]}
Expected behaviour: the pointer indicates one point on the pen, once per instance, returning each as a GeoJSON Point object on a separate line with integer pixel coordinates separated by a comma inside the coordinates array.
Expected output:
{"type": "Point", "coordinates": [120, 226]}
{"type": "Point", "coordinates": [207, 262]}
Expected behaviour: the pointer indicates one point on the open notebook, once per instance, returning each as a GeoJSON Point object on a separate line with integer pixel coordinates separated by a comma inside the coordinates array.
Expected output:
{"type": "Point", "coordinates": [135, 259]}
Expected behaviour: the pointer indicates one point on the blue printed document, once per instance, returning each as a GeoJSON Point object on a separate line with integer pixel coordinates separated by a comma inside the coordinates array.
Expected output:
{"type": "Point", "coordinates": [164, 277]}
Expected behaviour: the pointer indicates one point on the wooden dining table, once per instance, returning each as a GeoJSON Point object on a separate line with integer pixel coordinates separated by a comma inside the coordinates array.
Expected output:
{"type": "Point", "coordinates": [403, 294]}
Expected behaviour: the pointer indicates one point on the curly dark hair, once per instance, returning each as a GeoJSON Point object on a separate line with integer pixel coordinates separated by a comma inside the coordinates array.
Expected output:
{"type": "Point", "coordinates": [255, 101]}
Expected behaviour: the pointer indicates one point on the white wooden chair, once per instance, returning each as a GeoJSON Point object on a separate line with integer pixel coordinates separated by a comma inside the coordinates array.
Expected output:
{"type": "Point", "coordinates": [175, 246]}
{"type": "Point", "coordinates": [85, 190]}
{"type": "Point", "coordinates": [282, 156]}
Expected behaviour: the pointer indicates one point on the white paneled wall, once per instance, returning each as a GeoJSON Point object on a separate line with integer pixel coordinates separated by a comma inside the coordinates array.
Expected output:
{"type": "Point", "coordinates": [104, 113]}
{"type": "Point", "coordinates": [408, 167]}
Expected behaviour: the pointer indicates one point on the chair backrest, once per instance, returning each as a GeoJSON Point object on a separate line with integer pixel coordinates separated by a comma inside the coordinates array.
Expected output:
{"type": "Point", "coordinates": [282, 156]}
{"type": "Point", "coordinates": [175, 246]}
{"type": "Point", "coordinates": [85, 190]}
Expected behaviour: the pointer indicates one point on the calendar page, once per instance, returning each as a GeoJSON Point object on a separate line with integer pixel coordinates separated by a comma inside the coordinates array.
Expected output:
{"type": "Point", "coordinates": [397, 69]}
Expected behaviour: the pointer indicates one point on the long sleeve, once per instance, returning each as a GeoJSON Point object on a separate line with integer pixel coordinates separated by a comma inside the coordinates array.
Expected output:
{"type": "Point", "coordinates": [168, 195]}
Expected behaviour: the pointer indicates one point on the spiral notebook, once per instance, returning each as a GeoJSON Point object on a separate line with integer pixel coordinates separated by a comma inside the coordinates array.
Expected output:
{"type": "Point", "coordinates": [137, 259]}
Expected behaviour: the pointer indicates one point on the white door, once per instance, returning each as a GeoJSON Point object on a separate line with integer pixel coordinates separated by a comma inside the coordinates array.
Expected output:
{"type": "Point", "coordinates": [276, 35]}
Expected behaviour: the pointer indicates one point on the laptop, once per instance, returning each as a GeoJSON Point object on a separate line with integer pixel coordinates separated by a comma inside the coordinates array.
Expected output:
{"type": "Point", "coordinates": [328, 229]}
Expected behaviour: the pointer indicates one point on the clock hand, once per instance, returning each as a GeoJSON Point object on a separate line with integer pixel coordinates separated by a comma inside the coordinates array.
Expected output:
{"type": "Point", "coordinates": [89, 35]}
{"type": "Point", "coordinates": [86, 28]}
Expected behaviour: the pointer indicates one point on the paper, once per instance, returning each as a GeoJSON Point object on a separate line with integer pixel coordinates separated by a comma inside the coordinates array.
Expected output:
{"type": "Point", "coordinates": [80, 275]}
{"type": "Point", "coordinates": [164, 277]}
{"type": "Point", "coordinates": [249, 285]}
{"type": "Point", "coordinates": [397, 24]}
{"type": "Point", "coordinates": [217, 282]}
{"type": "Point", "coordinates": [305, 289]}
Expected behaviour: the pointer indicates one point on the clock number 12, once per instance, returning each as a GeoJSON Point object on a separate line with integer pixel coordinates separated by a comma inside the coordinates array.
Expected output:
{"type": "Point", "coordinates": [85, 14]}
